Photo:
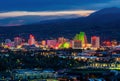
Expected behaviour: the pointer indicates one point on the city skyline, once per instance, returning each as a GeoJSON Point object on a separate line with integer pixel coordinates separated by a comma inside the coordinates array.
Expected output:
{"type": "Point", "coordinates": [60, 40]}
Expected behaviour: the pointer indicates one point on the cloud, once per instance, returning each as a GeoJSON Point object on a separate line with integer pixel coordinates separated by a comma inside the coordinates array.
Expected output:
{"type": "Point", "coordinates": [47, 13]}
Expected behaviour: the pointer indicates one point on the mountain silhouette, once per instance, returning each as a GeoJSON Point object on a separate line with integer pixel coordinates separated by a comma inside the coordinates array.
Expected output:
{"type": "Point", "coordinates": [104, 23]}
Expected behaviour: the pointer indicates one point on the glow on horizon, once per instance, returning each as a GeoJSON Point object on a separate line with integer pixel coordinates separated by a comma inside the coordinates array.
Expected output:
{"type": "Point", "coordinates": [45, 13]}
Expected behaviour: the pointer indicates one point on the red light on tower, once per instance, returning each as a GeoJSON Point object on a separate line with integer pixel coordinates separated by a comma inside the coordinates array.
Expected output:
{"type": "Point", "coordinates": [94, 38]}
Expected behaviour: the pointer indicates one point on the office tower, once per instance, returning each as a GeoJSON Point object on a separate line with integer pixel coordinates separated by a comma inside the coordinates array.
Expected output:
{"type": "Point", "coordinates": [107, 43]}
{"type": "Point", "coordinates": [43, 43]}
{"type": "Point", "coordinates": [95, 41]}
{"type": "Point", "coordinates": [76, 44]}
{"type": "Point", "coordinates": [31, 40]}
{"type": "Point", "coordinates": [17, 41]}
{"type": "Point", "coordinates": [62, 40]}
{"type": "Point", "coordinates": [51, 43]}
{"type": "Point", "coordinates": [114, 43]}
{"type": "Point", "coordinates": [7, 41]}
{"type": "Point", "coordinates": [81, 37]}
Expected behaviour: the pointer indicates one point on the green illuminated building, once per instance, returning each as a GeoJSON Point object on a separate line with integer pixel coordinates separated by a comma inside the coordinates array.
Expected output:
{"type": "Point", "coordinates": [65, 45]}
{"type": "Point", "coordinates": [82, 37]}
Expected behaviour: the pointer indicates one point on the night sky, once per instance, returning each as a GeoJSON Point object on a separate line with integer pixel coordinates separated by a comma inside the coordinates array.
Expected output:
{"type": "Point", "coordinates": [54, 8]}
{"type": "Point", "coordinates": [50, 5]}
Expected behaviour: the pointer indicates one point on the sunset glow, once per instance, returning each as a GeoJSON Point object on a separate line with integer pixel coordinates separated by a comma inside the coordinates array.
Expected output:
{"type": "Point", "coordinates": [46, 13]}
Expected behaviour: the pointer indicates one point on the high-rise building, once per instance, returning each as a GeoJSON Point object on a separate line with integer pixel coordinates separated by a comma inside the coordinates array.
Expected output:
{"type": "Point", "coordinates": [31, 40]}
{"type": "Point", "coordinates": [62, 40]}
{"type": "Point", "coordinates": [51, 43]}
{"type": "Point", "coordinates": [7, 41]}
{"type": "Point", "coordinates": [43, 43]}
{"type": "Point", "coordinates": [114, 43]}
{"type": "Point", "coordinates": [107, 43]}
{"type": "Point", "coordinates": [95, 41]}
{"type": "Point", "coordinates": [76, 44]}
{"type": "Point", "coordinates": [17, 41]}
{"type": "Point", "coordinates": [81, 37]}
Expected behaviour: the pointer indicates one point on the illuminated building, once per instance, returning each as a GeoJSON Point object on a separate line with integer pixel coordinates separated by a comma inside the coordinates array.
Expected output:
{"type": "Point", "coordinates": [61, 43]}
{"type": "Point", "coordinates": [31, 40]}
{"type": "Point", "coordinates": [43, 42]}
{"type": "Point", "coordinates": [7, 41]}
{"type": "Point", "coordinates": [95, 41]}
{"type": "Point", "coordinates": [107, 43]}
{"type": "Point", "coordinates": [62, 40]}
{"type": "Point", "coordinates": [58, 45]}
{"type": "Point", "coordinates": [114, 43]}
{"type": "Point", "coordinates": [17, 41]}
{"type": "Point", "coordinates": [51, 43]}
{"type": "Point", "coordinates": [81, 37]}
{"type": "Point", "coordinates": [65, 45]}
{"type": "Point", "coordinates": [76, 44]}
{"type": "Point", "coordinates": [71, 41]}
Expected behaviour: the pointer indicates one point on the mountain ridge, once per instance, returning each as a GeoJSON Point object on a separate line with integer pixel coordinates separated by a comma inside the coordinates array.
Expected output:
{"type": "Point", "coordinates": [105, 25]}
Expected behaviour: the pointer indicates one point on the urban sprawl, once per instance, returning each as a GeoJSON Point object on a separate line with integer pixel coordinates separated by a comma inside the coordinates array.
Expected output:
{"type": "Point", "coordinates": [60, 59]}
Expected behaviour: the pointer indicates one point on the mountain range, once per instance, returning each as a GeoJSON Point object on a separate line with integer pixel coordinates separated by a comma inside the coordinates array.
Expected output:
{"type": "Point", "coordinates": [104, 23]}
